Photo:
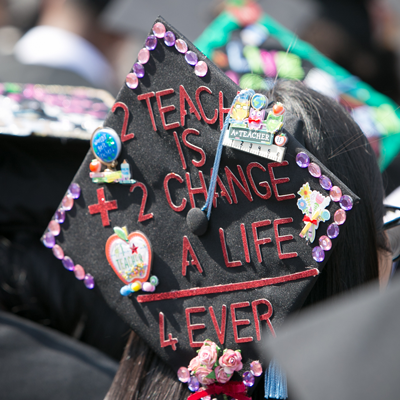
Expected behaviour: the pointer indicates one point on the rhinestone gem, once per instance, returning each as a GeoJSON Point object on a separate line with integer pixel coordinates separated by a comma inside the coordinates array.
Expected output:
{"type": "Point", "coordinates": [58, 252]}
{"type": "Point", "coordinates": [74, 190]}
{"type": "Point", "coordinates": [138, 69]}
{"type": "Point", "coordinates": [332, 231]}
{"type": "Point", "coordinates": [68, 263]}
{"type": "Point", "coordinates": [143, 56]}
{"type": "Point", "coordinates": [183, 374]}
{"type": "Point", "coordinates": [248, 379]}
{"type": "Point", "coordinates": [325, 243]}
{"type": "Point", "coordinates": [346, 202]}
{"type": "Point", "coordinates": [159, 30]}
{"type": "Point", "coordinates": [314, 170]}
{"type": "Point", "coordinates": [340, 217]}
{"type": "Point", "coordinates": [151, 42]}
{"type": "Point", "coordinates": [49, 240]}
{"type": "Point", "coordinates": [54, 228]}
{"type": "Point", "coordinates": [193, 384]}
{"type": "Point", "coordinates": [181, 46]}
{"type": "Point", "coordinates": [318, 254]}
{"type": "Point", "coordinates": [256, 368]}
{"type": "Point", "coordinates": [335, 193]}
{"type": "Point", "coordinates": [191, 57]}
{"type": "Point", "coordinates": [59, 216]}
{"type": "Point", "coordinates": [201, 69]}
{"type": "Point", "coordinates": [88, 280]}
{"type": "Point", "coordinates": [169, 39]}
{"type": "Point", "coordinates": [132, 81]}
{"type": "Point", "coordinates": [302, 160]}
{"type": "Point", "coordinates": [325, 182]}
{"type": "Point", "coordinates": [67, 203]}
{"type": "Point", "coordinates": [79, 272]}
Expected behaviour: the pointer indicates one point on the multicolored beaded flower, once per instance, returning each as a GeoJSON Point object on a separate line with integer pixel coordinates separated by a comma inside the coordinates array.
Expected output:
{"type": "Point", "coordinates": [312, 203]}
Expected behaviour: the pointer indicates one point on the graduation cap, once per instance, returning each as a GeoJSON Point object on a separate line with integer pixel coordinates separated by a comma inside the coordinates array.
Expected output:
{"type": "Point", "coordinates": [137, 230]}
{"type": "Point", "coordinates": [253, 54]}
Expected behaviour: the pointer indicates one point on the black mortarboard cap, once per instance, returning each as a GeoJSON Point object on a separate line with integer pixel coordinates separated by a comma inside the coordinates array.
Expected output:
{"type": "Point", "coordinates": [235, 282]}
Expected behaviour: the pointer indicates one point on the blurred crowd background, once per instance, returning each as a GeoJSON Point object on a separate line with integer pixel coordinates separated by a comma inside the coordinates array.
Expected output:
{"type": "Point", "coordinates": [363, 36]}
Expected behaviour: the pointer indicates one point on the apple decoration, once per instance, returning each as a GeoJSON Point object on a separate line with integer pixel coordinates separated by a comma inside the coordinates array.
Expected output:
{"type": "Point", "coordinates": [130, 256]}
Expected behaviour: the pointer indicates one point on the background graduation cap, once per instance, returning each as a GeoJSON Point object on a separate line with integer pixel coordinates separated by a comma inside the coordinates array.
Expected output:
{"type": "Point", "coordinates": [254, 52]}
{"type": "Point", "coordinates": [128, 230]}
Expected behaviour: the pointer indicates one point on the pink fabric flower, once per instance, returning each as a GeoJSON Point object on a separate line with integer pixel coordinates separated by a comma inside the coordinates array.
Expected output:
{"type": "Point", "coordinates": [231, 361]}
{"type": "Point", "coordinates": [208, 354]}
{"type": "Point", "coordinates": [201, 375]}
{"type": "Point", "coordinates": [194, 364]}
{"type": "Point", "coordinates": [221, 375]}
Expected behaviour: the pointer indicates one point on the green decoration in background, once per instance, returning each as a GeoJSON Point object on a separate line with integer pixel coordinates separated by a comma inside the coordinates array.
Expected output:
{"type": "Point", "coordinates": [385, 111]}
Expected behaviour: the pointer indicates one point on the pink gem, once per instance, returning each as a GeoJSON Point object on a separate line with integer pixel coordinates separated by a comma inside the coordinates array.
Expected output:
{"type": "Point", "coordinates": [181, 46]}
{"type": "Point", "coordinates": [58, 252]}
{"type": "Point", "coordinates": [132, 81]}
{"type": "Point", "coordinates": [67, 203]}
{"type": "Point", "coordinates": [325, 243]}
{"type": "Point", "coordinates": [54, 228]}
{"type": "Point", "coordinates": [159, 30]}
{"type": "Point", "coordinates": [256, 368]}
{"type": "Point", "coordinates": [143, 56]}
{"type": "Point", "coordinates": [201, 69]}
{"type": "Point", "coordinates": [340, 217]}
{"type": "Point", "coordinates": [335, 193]}
{"type": "Point", "coordinates": [79, 272]}
{"type": "Point", "coordinates": [314, 170]}
{"type": "Point", "coordinates": [183, 374]}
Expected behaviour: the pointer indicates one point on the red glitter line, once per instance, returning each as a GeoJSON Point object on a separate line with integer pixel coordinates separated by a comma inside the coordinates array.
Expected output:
{"type": "Point", "coordinates": [230, 287]}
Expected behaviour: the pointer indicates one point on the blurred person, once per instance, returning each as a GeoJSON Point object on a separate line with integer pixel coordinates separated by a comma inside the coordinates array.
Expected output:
{"type": "Point", "coordinates": [67, 47]}
{"type": "Point", "coordinates": [345, 33]}
{"type": "Point", "coordinates": [71, 42]}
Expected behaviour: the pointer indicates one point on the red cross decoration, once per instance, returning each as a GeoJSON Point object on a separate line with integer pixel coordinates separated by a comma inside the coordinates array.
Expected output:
{"type": "Point", "coordinates": [103, 207]}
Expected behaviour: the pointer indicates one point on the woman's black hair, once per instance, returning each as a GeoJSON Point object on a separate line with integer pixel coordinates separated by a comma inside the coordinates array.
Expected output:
{"type": "Point", "coordinates": [335, 139]}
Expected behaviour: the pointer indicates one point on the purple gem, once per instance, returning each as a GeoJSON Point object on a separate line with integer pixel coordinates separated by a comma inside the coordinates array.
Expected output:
{"type": "Point", "coordinates": [49, 240]}
{"type": "Point", "coordinates": [248, 379]}
{"type": "Point", "coordinates": [59, 216]}
{"type": "Point", "coordinates": [88, 280]}
{"type": "Point", "coordinates": [74, 190]}
{"type": "Point", "coordinates": [139, 70]}
{"type": "Point", "coordinates": [325, 182]}
{"type": "Point", "coordinates": [302, 160]}
{"type": "Point", "coordinates": [332, 231]}
{"type": "Point", "coordinates": [318, 254]}
{"type": "Point", "coordinates": [193, 384]}
{"type": "Point", "coordinates": [68, 263]}
{"type": "Point", "coordinates": [346, 202]}
{"type": "Point", "coordinates": [191, 57]}
{"type": "Point", "coordinates": [169, 38]}
{"type": "Point", "coordinates": [151, 42]}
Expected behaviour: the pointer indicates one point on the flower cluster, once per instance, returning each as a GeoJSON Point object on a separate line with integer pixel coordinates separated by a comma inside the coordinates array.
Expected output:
{"type": "Point", "coordinates": [213, 366]}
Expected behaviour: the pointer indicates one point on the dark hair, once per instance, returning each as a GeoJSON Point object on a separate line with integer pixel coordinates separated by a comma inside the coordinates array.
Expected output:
{"type": "Point", "coordinates": [336, 140]}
